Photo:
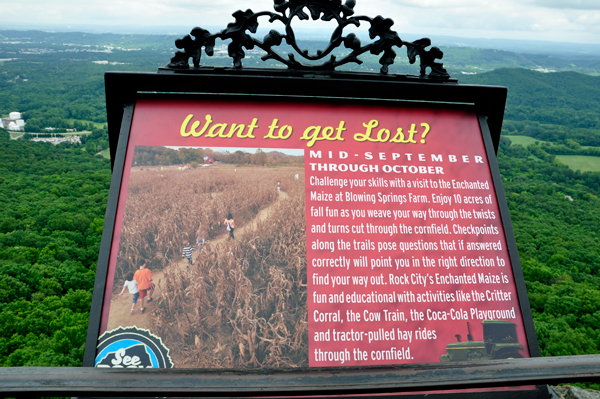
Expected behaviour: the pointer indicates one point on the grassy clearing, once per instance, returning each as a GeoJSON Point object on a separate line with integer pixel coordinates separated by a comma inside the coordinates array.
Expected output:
{"type": "Point", "coordinates": [106, 153]}
{"type": "Point", "coordinates": [74, 133]}
{"type": "Point", "coordinates": [583, 163]}
{"type": "Point", "coordinates": [96, 124]}
{"type": "Point", "coordinates": [526, 140]}
{"type": "Point", "coordinates": [523, 140]}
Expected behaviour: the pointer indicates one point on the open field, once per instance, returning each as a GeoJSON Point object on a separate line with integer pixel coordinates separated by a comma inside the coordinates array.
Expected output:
{"type": "Point", "coordinates": [583, 163]}
{"type": "Point", "coordinates": [523, 140]}
{"type": "Point", "coordinates": [97, 125]}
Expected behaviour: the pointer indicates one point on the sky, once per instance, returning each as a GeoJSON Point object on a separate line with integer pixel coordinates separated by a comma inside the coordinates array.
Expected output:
{"type": "Point", "coordinates": [576, 21]}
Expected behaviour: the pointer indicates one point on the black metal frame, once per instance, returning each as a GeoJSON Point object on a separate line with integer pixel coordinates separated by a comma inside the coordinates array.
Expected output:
{"type": "Point", "coordinates": [122, 136]}
{"type": "Point", "coordinates": [123, 87]}
{"type": "Point", "coordinates": [511, 242]}
{"type": "Point", "coordinates": [122, 90]}
{"type": "Point", "coordinates": [325, 10]}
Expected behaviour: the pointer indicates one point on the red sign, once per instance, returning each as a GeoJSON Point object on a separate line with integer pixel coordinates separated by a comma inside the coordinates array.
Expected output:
{"type": "Point", "coordinates": [405, 249]}
{"type": "Point", "coordinates": [405, 244]}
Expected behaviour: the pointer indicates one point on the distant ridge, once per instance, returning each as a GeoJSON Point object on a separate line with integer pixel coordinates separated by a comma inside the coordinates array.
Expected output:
{"type": "Point", "coordinates": [556, 90]}
{"type": "Point", "coordinates": [518, 46]}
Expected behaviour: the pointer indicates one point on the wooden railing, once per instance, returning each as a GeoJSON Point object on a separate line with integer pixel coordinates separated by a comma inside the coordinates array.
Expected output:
{"type": "Point", "coordinates": [83, 381]}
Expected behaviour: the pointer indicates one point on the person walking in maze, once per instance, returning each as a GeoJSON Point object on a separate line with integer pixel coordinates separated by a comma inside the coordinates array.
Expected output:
{"type": "Point", "coordinates": [187, 252]}
{"type": "Point", "coordinates": [132, 285]}
{"type": "Point", "coordinates": [230, 225]}
{"type": "Point", "coordinates": [143, 276]}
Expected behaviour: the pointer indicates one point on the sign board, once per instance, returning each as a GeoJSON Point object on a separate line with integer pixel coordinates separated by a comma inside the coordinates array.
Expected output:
{"type": "Point", "coordinates": [292, 233]}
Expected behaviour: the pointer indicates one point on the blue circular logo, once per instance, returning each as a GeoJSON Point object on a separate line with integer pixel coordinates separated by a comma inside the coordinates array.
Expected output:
{"type": "Point", "coordinates": [131, 347]}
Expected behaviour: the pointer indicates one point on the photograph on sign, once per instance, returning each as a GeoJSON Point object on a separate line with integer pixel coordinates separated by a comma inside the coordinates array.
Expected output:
{"type": "Point", "coordinates": [225, 244]}
{"type": "Point", "coordinates": [290, 234]}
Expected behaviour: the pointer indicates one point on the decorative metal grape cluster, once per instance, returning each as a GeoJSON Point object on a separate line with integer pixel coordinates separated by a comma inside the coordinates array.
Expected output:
{"type": "Point", "coordinates": [326, 10]}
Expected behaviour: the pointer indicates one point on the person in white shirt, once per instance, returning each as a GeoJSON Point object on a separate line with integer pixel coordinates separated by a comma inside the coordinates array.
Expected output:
{"type": "Point", "coordinates": [132, 285]}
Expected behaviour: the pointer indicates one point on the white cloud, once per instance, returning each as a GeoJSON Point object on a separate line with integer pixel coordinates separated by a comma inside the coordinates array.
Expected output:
{"type": "Point", "coordinates": [553, 20]}
{"type": "Point", "coordinates": [437, 4]}
{"type": "Point", "coordinates": [570, 4]}
{"type": "Point", "coordinates": [509, 19]}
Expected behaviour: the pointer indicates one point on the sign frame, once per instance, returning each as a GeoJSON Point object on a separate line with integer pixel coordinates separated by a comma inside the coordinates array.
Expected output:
{"type": "Point", "coordinates": [123, 89]}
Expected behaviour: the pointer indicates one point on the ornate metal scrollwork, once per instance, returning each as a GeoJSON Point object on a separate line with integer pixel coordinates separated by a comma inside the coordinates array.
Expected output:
{"type": "Point", "coordinates": [326, 10]}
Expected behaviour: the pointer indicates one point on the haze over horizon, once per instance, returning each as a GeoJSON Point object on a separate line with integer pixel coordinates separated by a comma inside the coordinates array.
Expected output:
{"type": "Point", "coordinates": [574, 21]}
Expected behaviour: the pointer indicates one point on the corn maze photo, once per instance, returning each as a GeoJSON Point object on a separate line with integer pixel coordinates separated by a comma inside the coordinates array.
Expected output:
{"type": "Point", "coordinates": [241, 302]}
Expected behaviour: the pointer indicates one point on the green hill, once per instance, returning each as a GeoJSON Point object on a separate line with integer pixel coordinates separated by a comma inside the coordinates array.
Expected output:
{"type": "Point", "coordinates": [549, 106]}
{"type": "Point", "coordinates": [570, 90]}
